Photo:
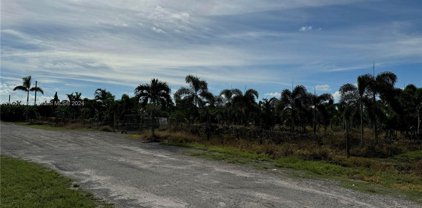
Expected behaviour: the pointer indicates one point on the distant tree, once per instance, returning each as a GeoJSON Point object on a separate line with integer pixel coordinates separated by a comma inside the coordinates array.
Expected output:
{"type": "Point", "coordinates": [382, 85]}
{"type": "Point", "coordinates": [55, 100]}
{"type": "Point", "coordinates": [153, 96]}
{"type": "Point", "coordinates": [364, 83]}
{"type": "Point", "coordinates": [191, 100]}
{"type": "Point", "coordinates": [35, 90]}
{"type": "Point", "coordinates": [245, 103]}
{"type": "Point", "coordinates": [349, 101]}
{"type": "Point", "coordinates": [295, 102]}
{"type": "Point", "coordinates": [104, 105]}
{"type": "Point", "coordinates": [319, 106]}
{"type": "Point", "coordinates": [267, 108]}
{"type": "Point", "coordinates": [197, 93]}
{"type": "Point", "coordinates": [411, 105]}
{"type": "Point", "coordinates": [226, 97]}
{"type": "Point", "coordinates": [26, 86]}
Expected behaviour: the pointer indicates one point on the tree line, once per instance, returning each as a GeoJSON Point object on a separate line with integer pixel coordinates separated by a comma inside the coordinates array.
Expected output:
{"type": "Point", "coordinates": [373, 103]}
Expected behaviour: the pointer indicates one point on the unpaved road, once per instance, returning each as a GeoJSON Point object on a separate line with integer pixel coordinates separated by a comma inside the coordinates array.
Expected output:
{"type": "Point", "coordinates": [129, 173]}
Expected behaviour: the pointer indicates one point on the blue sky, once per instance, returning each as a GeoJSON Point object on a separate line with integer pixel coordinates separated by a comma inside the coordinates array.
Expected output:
{"type": "Point", "coordinates": [74, 45]}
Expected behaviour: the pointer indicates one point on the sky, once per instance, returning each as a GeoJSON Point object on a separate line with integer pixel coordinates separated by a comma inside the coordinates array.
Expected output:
{"type": "Point", "coordinates": [79, 46]}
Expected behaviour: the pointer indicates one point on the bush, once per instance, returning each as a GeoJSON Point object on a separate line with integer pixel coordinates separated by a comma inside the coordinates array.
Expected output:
{"type": "Point", "coordinates": [17, 112]}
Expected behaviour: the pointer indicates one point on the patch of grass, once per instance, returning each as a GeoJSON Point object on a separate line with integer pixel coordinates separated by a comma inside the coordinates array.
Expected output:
{"type": "Point", "coordinates": [25, 184]}
{"type": "Point", "coordinates": [357, 173]}
{"type": "Point", "coordinates": [410, 156]}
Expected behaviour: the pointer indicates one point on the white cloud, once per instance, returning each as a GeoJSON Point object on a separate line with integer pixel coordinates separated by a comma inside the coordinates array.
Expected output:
{"type": "Point", "coordinates": [336, 96]}
{"type": "Point", "coordinates": [273, 94]}
{"type": "Point", "coordinates": [305, 28]}
{"type": "Point", "coordinates": [324, 87]}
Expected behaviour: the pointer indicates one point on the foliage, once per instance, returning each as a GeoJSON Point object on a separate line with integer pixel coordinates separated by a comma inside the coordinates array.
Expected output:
{"type": "Point", "coordinates": [382, 113]}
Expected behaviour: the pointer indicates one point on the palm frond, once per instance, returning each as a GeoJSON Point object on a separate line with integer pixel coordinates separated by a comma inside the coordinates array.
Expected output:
{"type": "Point", "coordinates": [37, 89]}
{"type": "Point", "coordinates": [20, 88]}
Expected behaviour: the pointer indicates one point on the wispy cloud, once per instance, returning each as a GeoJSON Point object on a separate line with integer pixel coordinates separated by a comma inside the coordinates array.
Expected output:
{"type": "Point", "coordinates": [323, 87]}
{"type": "Point", "coordinates": [118, 44]}
{"type": "Point", "coordinates": [273, 94]}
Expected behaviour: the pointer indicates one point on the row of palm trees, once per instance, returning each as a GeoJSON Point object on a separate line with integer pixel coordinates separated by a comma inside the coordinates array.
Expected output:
{"type": "Point", "coordinates": [374, 102]}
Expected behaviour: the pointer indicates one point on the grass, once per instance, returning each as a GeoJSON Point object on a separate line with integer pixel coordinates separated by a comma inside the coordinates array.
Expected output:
{"type": "Point", "coordinates": [362, 174]}
{"type": "Point", "coordinates": [25, 184]}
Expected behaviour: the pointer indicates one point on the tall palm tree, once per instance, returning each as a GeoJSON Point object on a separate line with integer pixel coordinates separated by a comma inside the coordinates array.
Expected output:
{"type": "Point", "coordinates": [197, 93]}
{"type": "Point", "coordinates": [155, 94]}
{"type": "Point", "coordinates": [245, 102]}
{"type": "Point", "coordinates": [318, 106]}
{"type": "Point", "coordinates": [382, 85]}
{"type": "Point", "coordinates": [35, 90]}
{"type": "Point", "coordinates": [227, 96]}
{"type": "Point", "coordinates": [25, 87]}
{"type": "Point", "coordinates": [364, 83]}
{"type": "Point", "coordinates": [104, 102]}
{"type": "Point", "coordinates": [267, 107]}
{"type": "Point", "coordinates": [294, 101]}
{"type": "Point", "coordinates": [349, 100]}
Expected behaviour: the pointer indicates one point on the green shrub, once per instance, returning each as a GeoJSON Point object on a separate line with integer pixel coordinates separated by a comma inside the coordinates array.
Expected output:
{"type": "Point", "coordinates": [15, 112]}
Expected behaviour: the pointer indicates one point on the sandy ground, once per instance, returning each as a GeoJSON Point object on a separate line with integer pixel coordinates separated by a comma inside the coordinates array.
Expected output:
{"type": "Point", "coordinates": [129, 173]}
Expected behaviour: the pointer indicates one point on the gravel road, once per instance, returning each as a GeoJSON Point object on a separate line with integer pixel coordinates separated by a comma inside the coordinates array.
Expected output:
{"type": "Point", "coordinates": [129, 173]}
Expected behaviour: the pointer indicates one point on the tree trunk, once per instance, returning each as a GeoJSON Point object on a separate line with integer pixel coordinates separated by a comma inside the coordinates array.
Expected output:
{"type": "Point", "coordinates": [419, 120]}
{"type": "Point", "coordinates": [35, 100]}
{"type": "Point", "coordinates": [27, 97]}
{"type": "Point", "coordinates": [361, 123]}
{"type": "Point", "coordinates": [375, 118]}
{"type": "Point", "coordinates": [347, 139]}
{"type": "Point", "coordinates": [314, 120]}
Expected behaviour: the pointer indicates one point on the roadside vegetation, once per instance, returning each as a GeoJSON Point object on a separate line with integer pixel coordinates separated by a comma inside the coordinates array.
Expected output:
{"type": "Point", "coordinates": [398, 175]}
{"type": "Point", "coordinates": [371, 138]}
{"type": "Point", "coordinates": [25, 184]}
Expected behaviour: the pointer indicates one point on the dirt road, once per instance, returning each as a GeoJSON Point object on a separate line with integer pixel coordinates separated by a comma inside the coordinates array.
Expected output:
{"type": "Point", "coordinates": [129, 173]}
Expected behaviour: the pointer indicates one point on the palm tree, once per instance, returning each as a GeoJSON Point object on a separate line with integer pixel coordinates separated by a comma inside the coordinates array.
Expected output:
{"type": "Point", "coordinates": [26, 86]}
{"type": "Point", "coordinates": [364, 83]}
{"type": "Point", "coordinates": [318, 104]}
{"type": "Point", "coordinates": [245, 102]}
{"type": "Point", "coordinates": [74, 96]}
{"type": "Point", "coordinates": [103, 97]}
{"type": "Point", "coordinates": [349, 100]}
{"type": "Point", "coordinates": [197, 93]}
{"type": "Point", "coordinates": [55, 100]}
{"type": "Point", "coordinates": [383, 85]}
{"type": "Point", "coordinates": [227, 96]}
{"type": "Point", "coordinates": [294, 101]}
{"type": "Point", "coordinates": [35, 90]}
{"type": "Point", "coordinates": [104, 102]}
{"type": "Point", "coordinates": [267, 107]}
{"type": "Point", "coordinates": [153, 96]}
